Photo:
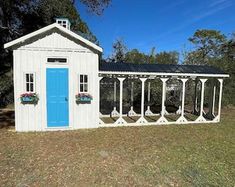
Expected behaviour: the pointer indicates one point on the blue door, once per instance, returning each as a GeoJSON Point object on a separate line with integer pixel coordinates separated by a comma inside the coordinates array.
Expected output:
{"type": "Point", "coordinates": [57, 97]}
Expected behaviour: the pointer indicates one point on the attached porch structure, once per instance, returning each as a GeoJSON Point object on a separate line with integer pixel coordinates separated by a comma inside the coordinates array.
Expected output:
{"type": "Point", "coordinates": [170, 86]}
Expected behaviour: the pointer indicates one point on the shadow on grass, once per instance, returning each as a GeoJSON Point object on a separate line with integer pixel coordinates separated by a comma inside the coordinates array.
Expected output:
{"type": "Point", "coordinates": [7, 119]}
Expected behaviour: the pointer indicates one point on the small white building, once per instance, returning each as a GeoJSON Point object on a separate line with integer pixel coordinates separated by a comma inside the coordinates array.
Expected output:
{"type": "Point", "coordinates": [57, 84]}
{"type": "Point", "coordinates": [57, 64]}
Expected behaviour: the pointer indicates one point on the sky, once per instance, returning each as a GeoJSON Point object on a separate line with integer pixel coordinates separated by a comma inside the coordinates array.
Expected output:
{"type": "Point", "coordinates": [164, 24]}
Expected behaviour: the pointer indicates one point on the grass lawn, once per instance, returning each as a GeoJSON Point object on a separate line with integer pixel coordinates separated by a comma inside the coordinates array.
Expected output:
{"type": "Point", "coordinates": [173, 155]}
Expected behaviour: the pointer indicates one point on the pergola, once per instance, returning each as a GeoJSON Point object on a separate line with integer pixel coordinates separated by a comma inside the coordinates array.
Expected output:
{"type": "Point", "coordinates": [164, 72]}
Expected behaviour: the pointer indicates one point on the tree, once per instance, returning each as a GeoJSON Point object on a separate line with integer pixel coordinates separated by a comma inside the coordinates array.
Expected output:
{"type": "Point", "coordinates": [119, 51]}
{"type": "Point", "coordinates": [207, 45]}
{"type": "Point", "coordinates": [226, 62]}
{"type": "Point", "coordinates": [136, 57]}
{"type": "Point", "coordinates": [152, 58]}
{"type": "Point", "coordinates": [95, 6]}
{"type": "Point", "coordinates": [171, 57]}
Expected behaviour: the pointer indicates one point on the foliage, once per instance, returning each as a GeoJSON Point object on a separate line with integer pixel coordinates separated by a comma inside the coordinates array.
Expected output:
{"type": "Point", "coordinates": [96, 6]}
{"type": "Point", "coordinates": [206, 45]}
{"type": "Point", "coordinates": [119, 51]}
{"type": "Point", "coordinates": [213, 48]}
{"type": "Point", "coordinates": [121, 54]}
{"type": "Point", "coordinates": [134, 56]}
{"type": "Point", "coordinates": [6, 90]}
{"type": "Point", "coordinates": [29, 98]}
{"type": "Point", "coordinates": [171, 57]}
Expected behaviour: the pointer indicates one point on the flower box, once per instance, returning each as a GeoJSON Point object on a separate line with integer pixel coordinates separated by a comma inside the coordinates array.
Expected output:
{"type": "Point", "coordinates": [83, 98]}
{"type": "Point", "coordinates": [29, 98]}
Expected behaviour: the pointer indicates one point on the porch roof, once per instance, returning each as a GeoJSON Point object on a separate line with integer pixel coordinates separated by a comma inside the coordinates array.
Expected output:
{"type": "Point", "coordinates": [161, 69]}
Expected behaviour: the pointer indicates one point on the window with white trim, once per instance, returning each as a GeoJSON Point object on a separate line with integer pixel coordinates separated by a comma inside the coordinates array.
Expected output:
{"type": "Point", "coordinates": [83, 83]}
{"type": "Point", "coordinates": [29, 82]}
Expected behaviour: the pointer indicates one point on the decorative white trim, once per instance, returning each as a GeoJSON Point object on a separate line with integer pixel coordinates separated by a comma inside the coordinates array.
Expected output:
{"type": "Point", "coordinates": [101, 122]}
{"type": "Point", "coordinates": [163, 111]}
{"type": "Point", "coordinates": [213, 101]}
{"type": "Point", "coordinates": [47, 28]}
{"type": "Point", "coordinates": [153, 123]}
{"type": "Point", "coordinates": [148, 112]}
{"type": "Point", "coordinates": [132, 112]}
{"type": "Point", "coordinates": [179, 110]}
{"type": "Point", "coordinates": [203, 81]}
{"type": "Point", "coordinates": [220, 99]}
{"type": "Point", "coordinates": [181, 119]}
{"type": "Point", "coordinates": [114, 112]}
{"type": "Point", "coordinates": [161, 74]}
{"type": "Point", "coordinates": [141, 120]}
{"type": "Point", "coordinates": [200, 119]}
{"type": "Point", "coordinates": [119, 121]}
{"type": "Point", "coordinates": [162, 120]}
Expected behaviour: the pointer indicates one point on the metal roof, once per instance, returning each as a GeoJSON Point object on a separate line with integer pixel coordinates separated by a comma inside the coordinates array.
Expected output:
{"type": "Point", "coordinates": [159, 68]}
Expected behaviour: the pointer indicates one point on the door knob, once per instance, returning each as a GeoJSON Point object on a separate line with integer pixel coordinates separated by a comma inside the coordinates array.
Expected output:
{"type": "Point", "coordinates": [66, 99]}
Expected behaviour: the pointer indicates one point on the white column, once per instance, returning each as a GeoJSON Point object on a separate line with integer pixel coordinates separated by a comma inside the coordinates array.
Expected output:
{"type": "Point", "coordinates": [195, 97]}
{"type": "Point", "coordinates": [132, 112]}
{"type": "Point", "coordinates": [114, 113]}
{"type": "Point", "coordinates": [120, 119]}
{"type": "Point", "coordinates": [148, 112]}
{"type": "Point", "coordinates": [162, 119]}
{"type": "Point", "coordinates": [182, 118]}
{"type": "Point", "coordinates": [142, 119]}
{"type": "Point", "coordinates": [100, 114]}
{"type": "Point", "coordinates": [217, 118]}
{"type": "Point", "coordinates": [201, 118]}
{"type": "Point", "coordinates": [213, 102]}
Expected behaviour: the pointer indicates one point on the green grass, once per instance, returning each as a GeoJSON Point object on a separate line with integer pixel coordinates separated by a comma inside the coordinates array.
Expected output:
{"type": "Point", "coordinates": [173, 155]}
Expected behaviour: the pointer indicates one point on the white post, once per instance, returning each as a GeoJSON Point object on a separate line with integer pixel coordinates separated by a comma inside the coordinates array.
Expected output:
{"type": "Point", "coordinates": [217, 118]}
{"type": "Point", "coordinates": [201, 118]}
{"type": "Point", "coordinates": [195, 111]}
{"type": "Point", "coordinates": [182, 119]}
{"type": "Point", "coordinates": [162, 119]}
{"type": "Point", "coordinates": [132, 112]}
{"type": "Point", "coordinates": [213, 102]}
{"type": "Point", "coordinates": [148, 112]}
{"type": "Point", "coordinates": [120, 119]}
{"type": "Point", "coordinates": [114, 113]}
{"type": "Point", "coordinates": [142, 119]}
{"type": "Point", "coordinates": [100, 114]}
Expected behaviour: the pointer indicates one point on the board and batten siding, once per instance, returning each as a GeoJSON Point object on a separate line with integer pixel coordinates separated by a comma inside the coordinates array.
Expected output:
{"type": "Point", "coordinates": [32, 57]}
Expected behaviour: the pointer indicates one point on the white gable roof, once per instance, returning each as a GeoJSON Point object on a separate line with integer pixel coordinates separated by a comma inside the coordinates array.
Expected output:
{"type": "Point", "coordinates": [49, 27]}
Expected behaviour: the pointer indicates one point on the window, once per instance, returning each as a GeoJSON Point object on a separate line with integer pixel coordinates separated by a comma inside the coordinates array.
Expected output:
{"type": "Point", "coordinates": [57, 60]}
{"type": "Point", "coordinates": [29, 82]}
{"type": "Point", "coordinates": [63, 23]}
{"type": "Point", "coordinates": [83, 84]}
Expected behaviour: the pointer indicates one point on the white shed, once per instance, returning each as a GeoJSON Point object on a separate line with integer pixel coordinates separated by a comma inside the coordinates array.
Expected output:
{"type": "Point", "coordinates": [51, 66]}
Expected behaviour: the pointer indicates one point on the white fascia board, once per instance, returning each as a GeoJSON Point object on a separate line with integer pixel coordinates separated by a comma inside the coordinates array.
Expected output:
{"type": "Point", "coordinates": [162, 74]}
{"type": "Point", "coordinates": [44, 29]}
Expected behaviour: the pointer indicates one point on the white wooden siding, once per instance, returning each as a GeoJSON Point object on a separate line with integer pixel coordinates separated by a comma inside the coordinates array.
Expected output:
{"type": "Point", "coordinates": [33, 58]}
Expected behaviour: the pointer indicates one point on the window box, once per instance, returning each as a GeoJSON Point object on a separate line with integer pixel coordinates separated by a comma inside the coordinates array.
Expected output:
{"type": "Point", "coordinates": [83, 98]}
{"type": "Point", "coordinates": [29, 98]}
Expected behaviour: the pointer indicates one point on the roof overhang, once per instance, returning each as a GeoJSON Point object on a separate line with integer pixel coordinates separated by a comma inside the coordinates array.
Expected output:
{"type": "Point", "coordinates": [22, 39]}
